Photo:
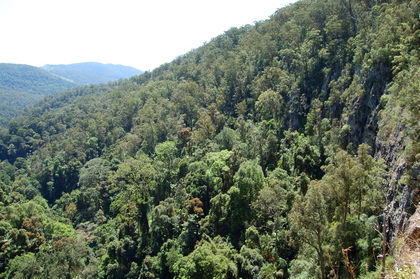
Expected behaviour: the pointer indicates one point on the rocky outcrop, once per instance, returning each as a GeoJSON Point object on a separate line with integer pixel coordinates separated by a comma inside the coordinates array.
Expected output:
{"type": "Point", "coordinates": [399, 194]}
{"type": "Point", "coordinates": [407, 249]}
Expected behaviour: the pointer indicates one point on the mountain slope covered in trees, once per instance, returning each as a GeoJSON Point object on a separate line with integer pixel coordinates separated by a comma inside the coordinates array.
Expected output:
{"type": "Point", "coordinates": [21, 85]}
{"type": "Point", "coordinates": [286, 149]}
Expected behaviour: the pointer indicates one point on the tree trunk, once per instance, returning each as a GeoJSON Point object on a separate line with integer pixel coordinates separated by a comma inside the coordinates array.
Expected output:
{"type": "Point", "coordinates": [320, 252]}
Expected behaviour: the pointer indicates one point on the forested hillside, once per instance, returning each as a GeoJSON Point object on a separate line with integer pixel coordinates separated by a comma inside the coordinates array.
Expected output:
{"type": "Point", "coordinates": [21, 85]}
{"type": "Point", "coordinates": [285, 149]}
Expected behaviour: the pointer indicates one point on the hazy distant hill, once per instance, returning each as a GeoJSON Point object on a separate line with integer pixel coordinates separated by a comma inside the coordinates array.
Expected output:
{"type": "Point", "coordinates": [31, 79]}
{"type": "Point", "coordinates": [92, 72]}
{"type": "Point", "coordinates": [21, 85]}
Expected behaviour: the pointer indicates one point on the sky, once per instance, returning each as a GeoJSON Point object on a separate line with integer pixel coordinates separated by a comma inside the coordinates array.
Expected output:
{"type": "Point", "coordinates": [138, 33]}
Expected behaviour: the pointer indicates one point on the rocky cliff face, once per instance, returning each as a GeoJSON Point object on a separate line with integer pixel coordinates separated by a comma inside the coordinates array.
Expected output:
{"type": "Point", "coordinates": [377, 119]}
{"type": "Point", "coordinates": [400, 195]}
{"type": "Point", "coordinates": [407, 248]}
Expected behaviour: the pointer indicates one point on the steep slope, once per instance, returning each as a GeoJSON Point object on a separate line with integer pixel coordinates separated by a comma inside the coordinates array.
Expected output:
{"type": "Point", "coordinates": [287, 149]}
{"type": "Point", "coordinates": [92, 72]}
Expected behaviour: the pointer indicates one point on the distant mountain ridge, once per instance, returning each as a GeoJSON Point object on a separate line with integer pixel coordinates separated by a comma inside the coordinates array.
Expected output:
{"type": "Point", "coordinates": [22, 85]}
{"type": "Point", "coordinates": [91, 72]}
{"type": "Point", "coordinates": [30, 79]}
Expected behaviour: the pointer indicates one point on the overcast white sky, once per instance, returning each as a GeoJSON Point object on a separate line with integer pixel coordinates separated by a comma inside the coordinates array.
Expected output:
{"type": "Point", "coordinates": [138, 33]}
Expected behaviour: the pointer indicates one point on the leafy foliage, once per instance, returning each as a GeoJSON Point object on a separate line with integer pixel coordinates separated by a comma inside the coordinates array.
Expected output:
{"type": "Point", "coordinates": [273, 151]}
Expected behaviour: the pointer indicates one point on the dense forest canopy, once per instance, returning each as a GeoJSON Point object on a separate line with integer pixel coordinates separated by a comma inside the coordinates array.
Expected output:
{"type": "Point", "coordinates": [285, 149]}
